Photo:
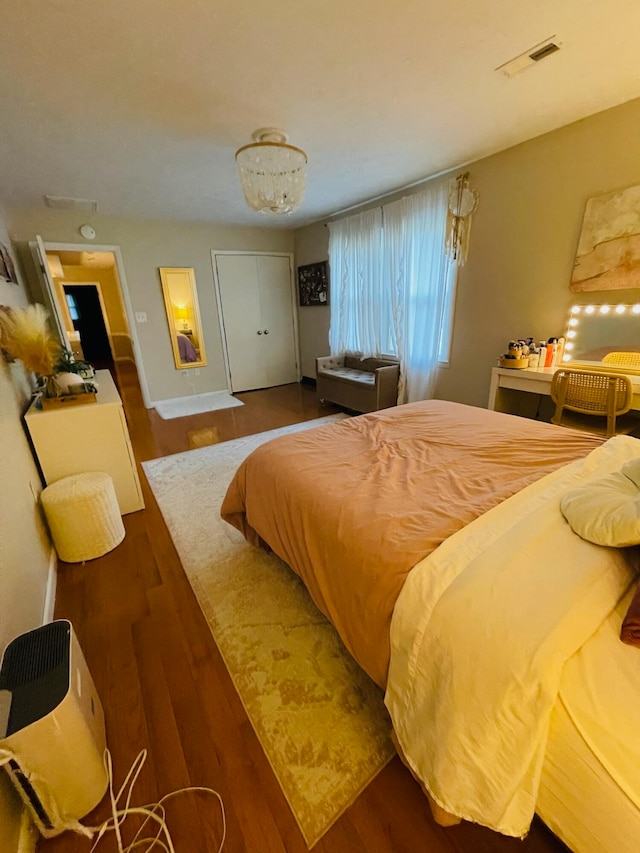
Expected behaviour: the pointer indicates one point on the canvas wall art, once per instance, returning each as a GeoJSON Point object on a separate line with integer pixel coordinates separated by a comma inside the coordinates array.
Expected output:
{"type": "Point", "coordinates": [313, 284]}
{"type": "Point", "coordinates": [608, 254]}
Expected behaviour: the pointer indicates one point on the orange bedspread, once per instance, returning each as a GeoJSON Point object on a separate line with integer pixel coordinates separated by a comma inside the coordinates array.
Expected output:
{"type": "Point", "coordinates": [351, 507]}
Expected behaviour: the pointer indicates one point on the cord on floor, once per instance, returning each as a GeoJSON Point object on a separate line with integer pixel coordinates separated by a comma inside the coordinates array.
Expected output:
{"type": "Point", "coordinates": [154, 812]}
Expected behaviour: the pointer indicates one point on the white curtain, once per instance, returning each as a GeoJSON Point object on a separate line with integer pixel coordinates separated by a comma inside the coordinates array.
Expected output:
{"type": "Point", "coordinates": [422, 279]}
{"type": "Point", "coordinates": [393, 286]}
{"type": "Point", "coordinates": [359, 300]}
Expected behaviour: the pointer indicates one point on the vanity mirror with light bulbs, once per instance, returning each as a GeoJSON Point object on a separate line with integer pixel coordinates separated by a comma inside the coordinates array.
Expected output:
{"type": "Point", "coordinates": [596, 330]}
{"type": "Point", "coordinates": [600, 336]}
{"type": "Point", "coordinates": [183, 316]}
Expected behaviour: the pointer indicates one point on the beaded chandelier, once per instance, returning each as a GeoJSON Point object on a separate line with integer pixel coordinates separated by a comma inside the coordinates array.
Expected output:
{"type": "Point", "coordinates": [272, 173]}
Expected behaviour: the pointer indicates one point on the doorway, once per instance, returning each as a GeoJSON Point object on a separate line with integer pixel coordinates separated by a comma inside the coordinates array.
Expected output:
{"type": "Point", "coordinates": [101, 266]}
{"type": "Point", "coordinates": [87, 315]}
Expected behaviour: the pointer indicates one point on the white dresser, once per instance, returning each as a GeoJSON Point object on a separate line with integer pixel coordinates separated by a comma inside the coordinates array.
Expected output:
{"type": "Point", "coordinates": [88, 437]}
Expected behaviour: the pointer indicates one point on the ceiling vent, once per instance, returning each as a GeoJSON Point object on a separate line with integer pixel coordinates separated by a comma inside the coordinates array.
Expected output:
{"type": "Point", "coordinates": [530, 57]}
{"type": "Point", "coordinates": [62, 202]}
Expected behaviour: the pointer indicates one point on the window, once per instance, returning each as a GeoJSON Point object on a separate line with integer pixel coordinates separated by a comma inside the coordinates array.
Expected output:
{"type": "Point", "coordinates": [71, 305]}
{"type": "Point", "coordinates": [393, 286]}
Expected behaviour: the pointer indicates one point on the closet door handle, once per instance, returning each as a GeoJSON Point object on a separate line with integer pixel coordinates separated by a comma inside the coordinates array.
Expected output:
{"type": "Point", "coordinates": [266, 331]}
{"type": "Point", "coordinates": [259, 333]}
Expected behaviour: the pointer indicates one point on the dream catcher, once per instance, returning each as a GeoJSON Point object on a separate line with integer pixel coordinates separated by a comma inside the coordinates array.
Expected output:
{"type": "Point", "coordinates": [462, 203]}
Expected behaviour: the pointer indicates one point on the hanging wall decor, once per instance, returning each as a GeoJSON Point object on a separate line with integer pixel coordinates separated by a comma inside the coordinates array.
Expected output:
{"type": "Point", "coordinates": [313, 284]}
{"type": "Point", "coordinates": [462, 203]}
{"type": "Point", "coordinates": [608, 253]}
{"type": "Point", "coordinates": [7, 269]}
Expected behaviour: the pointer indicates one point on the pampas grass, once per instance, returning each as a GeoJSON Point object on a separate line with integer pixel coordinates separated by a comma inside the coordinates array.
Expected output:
{"type": "Point", "coordinates": [25, 335]}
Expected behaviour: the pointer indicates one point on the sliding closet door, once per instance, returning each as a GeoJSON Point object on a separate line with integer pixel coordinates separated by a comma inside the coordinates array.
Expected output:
{"type": "Point", "coordinates": [258, 319]}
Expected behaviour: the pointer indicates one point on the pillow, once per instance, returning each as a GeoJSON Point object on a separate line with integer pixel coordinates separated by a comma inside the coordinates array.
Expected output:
{"type": "Point", "coordinates": [607, 511]}
{"type": "Point", "coordinates": [630, 631]}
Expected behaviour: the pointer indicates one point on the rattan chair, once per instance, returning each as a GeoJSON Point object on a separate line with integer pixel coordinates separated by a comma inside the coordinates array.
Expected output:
{"type": "Point", "coordinates": [622, 359]}
{"type": "Point", "coordinates": [593, 401]}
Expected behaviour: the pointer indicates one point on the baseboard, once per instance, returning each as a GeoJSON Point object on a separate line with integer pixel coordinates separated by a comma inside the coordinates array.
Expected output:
{"type": "Point", "coordinates": [50, 593]}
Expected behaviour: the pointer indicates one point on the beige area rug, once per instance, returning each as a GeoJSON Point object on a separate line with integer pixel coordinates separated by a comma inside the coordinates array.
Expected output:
{"type": "Point", "coordinates": [320, 719]}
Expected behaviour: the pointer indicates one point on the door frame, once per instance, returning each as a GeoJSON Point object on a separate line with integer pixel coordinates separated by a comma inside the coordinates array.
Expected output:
{"type": "Point", "coordinates": [126, 300]}
{"type": "Point", "coordinates": [294, 311]}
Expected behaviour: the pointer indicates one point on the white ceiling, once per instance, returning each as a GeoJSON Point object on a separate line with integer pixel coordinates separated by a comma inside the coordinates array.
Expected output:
{"type": "Point", "coordinates": [141, 104]}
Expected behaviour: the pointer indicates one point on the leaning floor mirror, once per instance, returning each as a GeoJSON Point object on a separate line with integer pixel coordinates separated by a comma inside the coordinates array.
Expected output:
{"type": "Point", "coordinates": [183, 316]}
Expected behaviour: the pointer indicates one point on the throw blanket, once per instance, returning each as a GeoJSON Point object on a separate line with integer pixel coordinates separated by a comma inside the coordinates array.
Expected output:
{"type": "Point", "coordinates": [186, 349]}
{"type": "Point", "coordinates": [353, 506]}
{"type": "Point", "coordinates": [480, 634]}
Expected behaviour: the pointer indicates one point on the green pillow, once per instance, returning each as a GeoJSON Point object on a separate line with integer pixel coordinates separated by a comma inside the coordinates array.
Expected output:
{"type": "Point", "coordinates": [607, 511]}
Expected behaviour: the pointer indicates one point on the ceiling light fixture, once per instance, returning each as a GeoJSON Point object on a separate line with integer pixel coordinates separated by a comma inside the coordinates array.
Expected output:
{"type": "Point", "coordinates": [272, 173]}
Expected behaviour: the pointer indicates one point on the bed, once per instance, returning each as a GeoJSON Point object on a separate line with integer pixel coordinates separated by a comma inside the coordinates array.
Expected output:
{"type": "Point", "coordinates": [430, 535]}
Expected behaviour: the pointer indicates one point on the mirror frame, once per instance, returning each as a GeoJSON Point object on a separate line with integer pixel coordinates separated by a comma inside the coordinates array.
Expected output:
{"type": "Point", "coordinates": [166, 276]}
{"type": "Point", "coordinates": [594, 310]}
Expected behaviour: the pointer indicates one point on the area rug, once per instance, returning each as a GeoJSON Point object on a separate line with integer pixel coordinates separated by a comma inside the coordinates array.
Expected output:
{"type": "Point", "coordinates": [181, 407]}
{"type": "Point", "coordinates": [320, 719]}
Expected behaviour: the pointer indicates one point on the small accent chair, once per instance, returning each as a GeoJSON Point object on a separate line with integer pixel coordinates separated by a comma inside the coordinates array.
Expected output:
{"type": "Point", "coordinates": [622, 359]}
{"type": "Point", "coordinates": [593, 401]}
{"type": "Point", "coordinates": [363, 385]}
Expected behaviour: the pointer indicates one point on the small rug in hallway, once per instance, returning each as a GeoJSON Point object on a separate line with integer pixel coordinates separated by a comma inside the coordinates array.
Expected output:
{"type": "Point", "coordinates": [321, 721]}
{"type": "Point", "coordinates": [182, 407]}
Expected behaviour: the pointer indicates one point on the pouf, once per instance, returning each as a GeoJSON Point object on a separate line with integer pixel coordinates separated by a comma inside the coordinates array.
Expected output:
{"type": "Point", "coordinates": [83, 516]}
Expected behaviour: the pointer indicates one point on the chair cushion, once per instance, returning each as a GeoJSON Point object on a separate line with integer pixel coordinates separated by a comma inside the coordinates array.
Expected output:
{"type": "Point", "coordinates": [348, 374]}
{"type": "Point", "coordinates": [356, 361]}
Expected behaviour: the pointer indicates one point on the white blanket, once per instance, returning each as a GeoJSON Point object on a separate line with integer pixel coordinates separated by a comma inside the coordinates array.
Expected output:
{"type": "Point", "coordinates": [479, 637]}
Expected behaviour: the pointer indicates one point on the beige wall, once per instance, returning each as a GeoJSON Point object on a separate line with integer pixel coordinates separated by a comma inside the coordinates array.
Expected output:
{"type": "Point", "coordinates": [147, 245]}
{"type": "Point", "coordinates": [312, 245]}
{"type": "Point", "coordinates": [523, 243]}
{"type": "Point", "coordinates": [24, 544]}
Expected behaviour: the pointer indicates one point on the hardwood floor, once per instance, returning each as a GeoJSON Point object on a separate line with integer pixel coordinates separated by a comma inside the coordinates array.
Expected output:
{"type": "Point", "coordinates": [165, 688]}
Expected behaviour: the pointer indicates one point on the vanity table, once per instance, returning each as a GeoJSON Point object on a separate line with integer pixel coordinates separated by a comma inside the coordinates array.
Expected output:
{"type": "Point", "coordinates": [593, 331]}
{"type": "Point", "coordinates": [91, 437]}
{"type": "Point", "coordinates": [537, 380]}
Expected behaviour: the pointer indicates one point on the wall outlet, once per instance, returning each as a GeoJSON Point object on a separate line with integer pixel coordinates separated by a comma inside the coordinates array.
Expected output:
{"type": "Point", "coordinates": [141, 316]}
{"type": "Point", "coordinates": [196, 370]}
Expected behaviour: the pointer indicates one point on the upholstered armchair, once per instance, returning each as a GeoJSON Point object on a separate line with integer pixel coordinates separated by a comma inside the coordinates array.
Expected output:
{"type": "Point", "coordinates": [363, 385]}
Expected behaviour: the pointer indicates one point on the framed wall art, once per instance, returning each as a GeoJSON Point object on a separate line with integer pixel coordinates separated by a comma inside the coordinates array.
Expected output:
{"type": "Point", "coordinates": [313, 284]}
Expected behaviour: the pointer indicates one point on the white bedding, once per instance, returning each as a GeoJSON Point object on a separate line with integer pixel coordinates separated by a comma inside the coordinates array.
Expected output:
{"type": "Point", "coordinates": [588, 789]}
{"type": "Point", "coordinates": [604, 708]}
{"type": "Point", "coordinates": [480, 635]}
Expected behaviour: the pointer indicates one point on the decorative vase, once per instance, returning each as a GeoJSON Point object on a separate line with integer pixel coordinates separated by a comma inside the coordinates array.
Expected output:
{"type": "Point", "coordinates": [69, 383]}
{"type": "Point", "coordinates": [58, 384]}
{"type": "Point", "coordinates": [47, 386]}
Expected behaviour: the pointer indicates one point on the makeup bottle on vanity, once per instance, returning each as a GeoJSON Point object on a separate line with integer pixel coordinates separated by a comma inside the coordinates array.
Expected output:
{"type": "Point", "coordinates": [552, 346]}
{"type": "Point", "coordinates": [543, 354]}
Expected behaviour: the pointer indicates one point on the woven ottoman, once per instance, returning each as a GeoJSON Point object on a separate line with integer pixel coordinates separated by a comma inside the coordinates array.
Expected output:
{"type": "Point", "coordinates": [83, 516]}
